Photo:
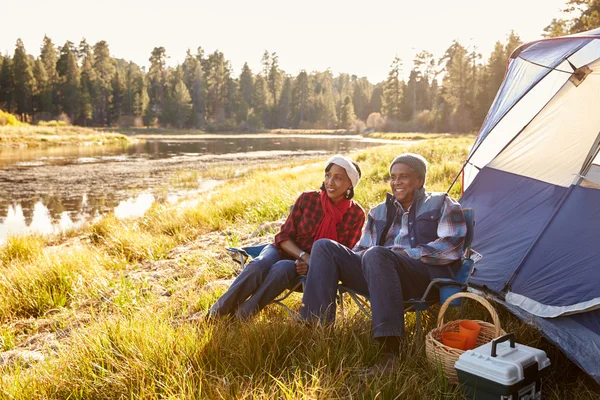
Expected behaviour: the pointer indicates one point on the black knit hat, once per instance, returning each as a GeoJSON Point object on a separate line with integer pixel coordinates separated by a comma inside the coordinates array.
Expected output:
{"type": "Point", "coordinates": [415, 161]}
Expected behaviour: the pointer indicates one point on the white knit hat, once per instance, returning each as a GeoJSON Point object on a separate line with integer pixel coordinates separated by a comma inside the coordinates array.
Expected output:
{"type": "Point", "coordinates": [348, 166]}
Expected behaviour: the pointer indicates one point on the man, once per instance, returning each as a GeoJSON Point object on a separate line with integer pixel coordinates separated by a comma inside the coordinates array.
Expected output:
{"type": "Point", "coordinates": [410, 239]}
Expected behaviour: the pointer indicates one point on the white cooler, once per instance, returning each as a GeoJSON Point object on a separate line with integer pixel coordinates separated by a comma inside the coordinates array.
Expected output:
{"type": "Point", "coordinates": [502, 371]}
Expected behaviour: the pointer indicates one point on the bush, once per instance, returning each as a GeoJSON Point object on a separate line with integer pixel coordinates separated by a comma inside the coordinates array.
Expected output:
{"type": "Point", "coordinates": [229, 125]}
{"type": "Point", "coordinates": [52, 123]}
{"type": "Point", "coordinates": [376, 121]}
{"type": "Point", "coordinates": [129, 121]}
{"type": "Point", "coordinates": [64, 118]}
{"type": "Point", "coordinates": [7, 119]}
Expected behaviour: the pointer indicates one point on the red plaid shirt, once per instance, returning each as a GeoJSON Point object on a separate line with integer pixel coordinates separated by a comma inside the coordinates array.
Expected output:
{"type": "Point", "coordinates": [305, 218]}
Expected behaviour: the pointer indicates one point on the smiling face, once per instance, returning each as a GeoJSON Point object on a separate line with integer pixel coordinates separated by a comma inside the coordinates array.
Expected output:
{"type": "Point", "coordinates": [403, 181]}
{"type": "Point", "coordinates": [336, 183]}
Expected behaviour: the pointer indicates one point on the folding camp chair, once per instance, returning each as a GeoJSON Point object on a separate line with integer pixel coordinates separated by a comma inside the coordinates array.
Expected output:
{"type": "Point", "coordinates": [446, 286]}
{"type": "Point", "coordinates": [241, 255]}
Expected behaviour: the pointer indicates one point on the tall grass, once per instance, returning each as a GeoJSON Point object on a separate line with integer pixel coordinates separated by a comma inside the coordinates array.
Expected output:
{"type": "Point", "coordinates": [138, 341]}
{"type": "Point", "coordinates": [29, 135]}
{"type": "Point", "coordinates": [20, 248]}
{"type": "Point", "coordinates": [53, 281]}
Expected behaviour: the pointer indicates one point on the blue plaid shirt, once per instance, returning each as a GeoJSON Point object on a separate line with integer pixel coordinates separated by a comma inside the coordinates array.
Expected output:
{"type": "Point", "coordinates": [447, 248]}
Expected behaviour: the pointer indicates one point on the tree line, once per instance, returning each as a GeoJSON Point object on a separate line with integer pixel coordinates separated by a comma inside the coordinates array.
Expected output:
{"type": "Point", "coordinates": [85, 85]}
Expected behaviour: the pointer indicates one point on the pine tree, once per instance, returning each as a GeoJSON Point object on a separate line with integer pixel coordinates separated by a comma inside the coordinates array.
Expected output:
{"type": "Point", "coordinates": [104, 66]}
{"type": "Point", "coordinates": [589, 15]}
{"type": "Point", "coordinates": [300, 100]}
{"type": "Point", "coordinates": [42, 99]}
{"type": "Point", "coordinates": [84, 51]}
{"type": "Point", "coordinates": [119, 95]}
{"type": "Point", "coordinates": [217, 78]}
{"type": "Point", "coordinates": [140, 97]}
{"type": "Point", "coordinates": [157, 76]}
{"type": "Point", "coordinates": [7, 85]}
{"type": "Point", "coordinates": [342, 87]}
{"type": "Point", "coordinates": [182, 104]}
{"type": "Point", "coordinates": [493, 75]}
{"type": "Point", "coordinates": [24, 81]}
{"type": "Point", "coordinates": [426, 73]}
{"type": "Point", "coordinates": [274, 79]}
{"type": "Point", "coordinates": [49, 89]}
{"type": "Point", "coordinates": [247, 85]}
{"type": "Point", "coordinates": [512, 42]}
{"type": "Point", "coordinates": [361, 95]}
{"type": "Point", "coordinates": [557, 27]}
{"type": "Point", "coordinates": [285, 104]}
{"type": "Point", "coordinates": [69, 80]}
{"type": "Point", "coordinates": [392, 92]}
{"type": "Point", "coordinates": [87, 89]}
{"type": "Point", "coordinates": [586, 17]}
{"type": "Point", "coordinates": [376, 100]}
{"type": "Point", "coordinates": [347, 116]}
{"type": "Point", "coordinates": [460, 84]}
{"type": "Point", "coordinates": [194, 81]}
{"type": "Point", "coordinates": [260, 100]}
{"type": "Point", "coordinates": [324, 106]}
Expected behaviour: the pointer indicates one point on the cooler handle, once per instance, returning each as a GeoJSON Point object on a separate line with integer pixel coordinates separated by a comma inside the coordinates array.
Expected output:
{"type": "Point", "coordinates": [508, 336]}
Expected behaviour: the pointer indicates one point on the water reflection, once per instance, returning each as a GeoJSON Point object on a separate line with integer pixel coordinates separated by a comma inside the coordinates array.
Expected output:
{"type": "Point", "coordinates": [15, 222]}
{"type": "Point", "coordinates": [41, 222]}
{"type": "Point", "coordinates": [134, 207]}
{"type": "Point", "coordinates": [53, 189]}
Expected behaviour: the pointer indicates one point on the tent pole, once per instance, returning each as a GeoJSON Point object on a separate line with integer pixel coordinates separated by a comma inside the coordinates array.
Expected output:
{"type": "Point", "coordinates": [456, 177]}
{"type": "Point", "coordinates": [587, 164]}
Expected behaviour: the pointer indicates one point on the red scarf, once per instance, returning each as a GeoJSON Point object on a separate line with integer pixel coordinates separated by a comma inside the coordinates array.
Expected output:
{"type": "Point", "coordinates": [333, 215]}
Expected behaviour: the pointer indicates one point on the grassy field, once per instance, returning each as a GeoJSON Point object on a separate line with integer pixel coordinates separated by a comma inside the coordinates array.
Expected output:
{"type": "Point", "coordinates": [37, 136]}
{"type": "Point", "coordinates": [112, 307]}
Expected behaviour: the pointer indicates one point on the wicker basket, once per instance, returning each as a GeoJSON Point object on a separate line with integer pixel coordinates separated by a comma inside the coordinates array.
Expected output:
{"type": "Point", "coordinates": [444, 356]}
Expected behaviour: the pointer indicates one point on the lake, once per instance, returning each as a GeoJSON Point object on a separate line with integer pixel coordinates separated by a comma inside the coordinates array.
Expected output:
{"type": "Point", "coordinates": [53, 189]}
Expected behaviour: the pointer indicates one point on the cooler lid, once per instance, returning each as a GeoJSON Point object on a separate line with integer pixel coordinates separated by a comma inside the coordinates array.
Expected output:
{"type": "Point", "coordinates": [507, 367]}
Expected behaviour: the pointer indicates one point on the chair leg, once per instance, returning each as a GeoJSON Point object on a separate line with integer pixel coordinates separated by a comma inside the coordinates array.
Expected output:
{"type": "Point", "coordinates": [417, 326]}
{"type": "Point", "coordinates": [279, 300]}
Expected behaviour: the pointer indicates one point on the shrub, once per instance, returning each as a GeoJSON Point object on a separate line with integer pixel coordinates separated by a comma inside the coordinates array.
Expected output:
{"type": "Point", "coordinates": [7, 119]}
{"type": "Point", "coordinates": [52, 123]}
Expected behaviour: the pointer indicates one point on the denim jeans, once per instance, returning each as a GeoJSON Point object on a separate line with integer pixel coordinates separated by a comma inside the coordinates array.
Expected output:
{"type": "Point", "coordinates": [263, 279]}
{"type": "Point", "coordinates": [386, 276]}
{"type": "Point", "coordinates": [330, 262]}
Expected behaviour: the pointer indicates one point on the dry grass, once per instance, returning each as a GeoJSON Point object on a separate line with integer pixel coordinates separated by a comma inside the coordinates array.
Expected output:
{"type": "Point", "coordinates": [32, 136]}
{"type": "Point", "coordinates": [116, 298]}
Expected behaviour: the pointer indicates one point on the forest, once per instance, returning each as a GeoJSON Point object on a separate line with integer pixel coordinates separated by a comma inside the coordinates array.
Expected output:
{"type": "Point", "coordinates": [82, 84]}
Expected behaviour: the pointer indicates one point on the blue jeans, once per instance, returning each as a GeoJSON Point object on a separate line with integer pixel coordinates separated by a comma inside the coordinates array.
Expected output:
{"type": "Point", "coordinates": [263, 279]}
{"type": "Point", "coordinates": [387, 277]}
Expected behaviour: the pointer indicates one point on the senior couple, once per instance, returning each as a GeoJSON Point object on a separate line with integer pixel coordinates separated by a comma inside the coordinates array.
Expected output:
{"type": "Point", "coordinates": [409, 239]}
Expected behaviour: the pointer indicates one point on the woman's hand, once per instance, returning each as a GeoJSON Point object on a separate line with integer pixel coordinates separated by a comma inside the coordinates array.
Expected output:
{"type": "Point", "coordinates": [302, 264]}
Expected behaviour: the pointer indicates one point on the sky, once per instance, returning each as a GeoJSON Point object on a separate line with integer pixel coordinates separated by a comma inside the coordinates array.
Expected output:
{"type": "Point", "coordinates": [356, 37]}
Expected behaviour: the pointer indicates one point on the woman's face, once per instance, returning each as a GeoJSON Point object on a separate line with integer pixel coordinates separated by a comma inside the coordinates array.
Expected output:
{"type": "Point", "coordinates": [336, 183]}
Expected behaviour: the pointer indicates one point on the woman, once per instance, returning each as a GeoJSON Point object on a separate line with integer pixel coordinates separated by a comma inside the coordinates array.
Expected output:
{"type": "Point", "coordinates": [329, 213]}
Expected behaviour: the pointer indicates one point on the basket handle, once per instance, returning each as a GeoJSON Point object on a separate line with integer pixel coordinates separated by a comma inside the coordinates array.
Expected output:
{"type": "Point", "coordinates": [477, 298]}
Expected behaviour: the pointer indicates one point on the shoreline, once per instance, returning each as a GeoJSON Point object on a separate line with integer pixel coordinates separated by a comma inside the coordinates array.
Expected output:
{"type": "Point", "coordinates": [18, 137]}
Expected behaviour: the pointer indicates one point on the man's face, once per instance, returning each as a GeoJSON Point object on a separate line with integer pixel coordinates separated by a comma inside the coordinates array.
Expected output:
{"type": "Point", "coordinates": [404, 181]}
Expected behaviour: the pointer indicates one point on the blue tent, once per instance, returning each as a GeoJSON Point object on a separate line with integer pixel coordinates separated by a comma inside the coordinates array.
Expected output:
{"type": "Point", "coordinates": [533, 178]}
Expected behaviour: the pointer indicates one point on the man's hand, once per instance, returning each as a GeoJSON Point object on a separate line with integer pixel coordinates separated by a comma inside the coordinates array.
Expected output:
{"type": "Point", "coordinates": [401, 253]}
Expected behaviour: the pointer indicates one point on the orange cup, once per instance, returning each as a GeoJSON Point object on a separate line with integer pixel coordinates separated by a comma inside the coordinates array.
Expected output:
{"type": "Point", "coordinates": [471, 331]}
{"type": "Point", "coordinates": [454, 339]}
